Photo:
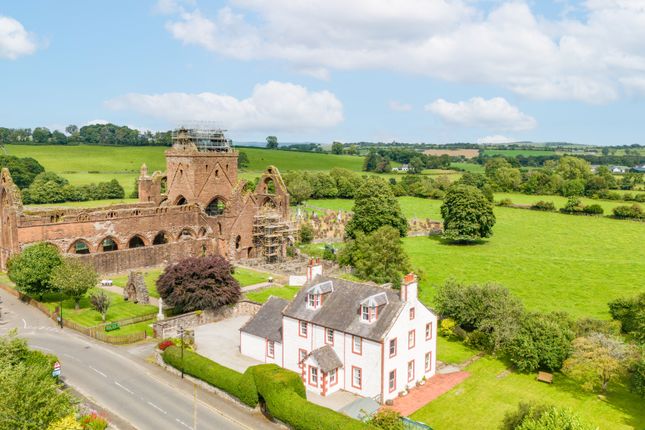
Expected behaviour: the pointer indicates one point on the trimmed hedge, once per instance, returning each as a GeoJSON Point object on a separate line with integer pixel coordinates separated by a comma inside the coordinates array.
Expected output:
{"type": "Point", "coordinates": [281, 390]}
{"type": "Point", "coordinates": [234, 383]}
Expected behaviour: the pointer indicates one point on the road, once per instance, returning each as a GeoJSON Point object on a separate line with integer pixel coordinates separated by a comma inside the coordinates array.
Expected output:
{"type": "Point", "coordinates": [122, 381]}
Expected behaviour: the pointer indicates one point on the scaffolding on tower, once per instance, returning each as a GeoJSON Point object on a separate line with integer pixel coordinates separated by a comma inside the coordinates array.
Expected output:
{"type": "Point", "coordinates": [271, 235]}
{"type": "Point", "coordinates": [204, 136]}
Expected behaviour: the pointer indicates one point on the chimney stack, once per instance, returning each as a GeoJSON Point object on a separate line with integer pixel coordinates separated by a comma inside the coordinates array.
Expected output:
{"type": "Point", "coordinates": [409, 288]}
{"type": "Point", "coordinates": [314, 268]}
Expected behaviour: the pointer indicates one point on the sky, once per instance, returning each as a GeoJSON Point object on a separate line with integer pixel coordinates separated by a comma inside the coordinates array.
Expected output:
{"type": "Point", "coordinates": [435, 71]}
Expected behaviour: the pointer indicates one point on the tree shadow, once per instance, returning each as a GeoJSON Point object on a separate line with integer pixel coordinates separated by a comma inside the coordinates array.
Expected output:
{"type": "Point", "coordinates": [440, 240]}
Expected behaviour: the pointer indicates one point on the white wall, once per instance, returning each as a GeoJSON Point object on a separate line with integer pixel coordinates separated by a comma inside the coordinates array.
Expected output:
{"type": "Point", "coordinates": [255, 347]}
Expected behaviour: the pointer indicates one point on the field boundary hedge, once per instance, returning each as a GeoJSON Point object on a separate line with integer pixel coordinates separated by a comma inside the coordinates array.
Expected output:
{"type": "Point", "coordinates": [279, 392]}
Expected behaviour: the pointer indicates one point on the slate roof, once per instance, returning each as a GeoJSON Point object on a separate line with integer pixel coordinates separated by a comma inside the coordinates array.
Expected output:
{"type": "Point", "coordinates": [375, 300]}
{"type": "Point", "coordinates": [267, 323]}
{"type": "Point", "coordinates": [321, 288]}
{"type": "Point", "coordinates": [326, 358]}
{"type": "Point", "coordinates": [340, 311]}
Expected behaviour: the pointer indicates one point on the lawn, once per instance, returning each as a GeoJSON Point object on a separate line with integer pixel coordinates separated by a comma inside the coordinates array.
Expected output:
{"type": "Point", "coordinates": [261, 296]}
{"type": "Point", "coordinates": [453, 351]}
{"type": "Point", "coordinates": [489, 393]}
{"type": "Point", "coordinates": [134, 328]}
{"type": "Point", "coordinates": [550, 260]}
{"type": "Point", "coordinates": [248, 277]}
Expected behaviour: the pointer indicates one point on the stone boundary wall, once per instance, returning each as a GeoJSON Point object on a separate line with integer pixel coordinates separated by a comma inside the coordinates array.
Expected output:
{"type": "Point", "coordinates": [170, 327]}
{"type": "Point", "coordinates": [146, 256]}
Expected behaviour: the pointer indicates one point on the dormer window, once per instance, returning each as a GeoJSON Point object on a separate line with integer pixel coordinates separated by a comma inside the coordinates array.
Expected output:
{"type": "Point", "coordinates": [316, 295]}
{"type": "Point", "coordinates": [372, 306]}
{"type": "Point", "coordinates": [313, 301]}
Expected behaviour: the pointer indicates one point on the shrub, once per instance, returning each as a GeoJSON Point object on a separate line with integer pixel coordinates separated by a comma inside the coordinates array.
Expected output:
{"type": "Point", "coordinates": [446, 327]}
{"type": "Point", "coordinates": [386, 419]}
{"type": "Point", "coordinates": [505, 202]}
{"type": "Point", "coordinates": [594, 209]}
{"type": "Point", "coordinates": [329, 253]}
{"type": "Point", "coordinates": [306, 233]}
{"type": "Point", "coordinates": [637, 377]}
{"type": "Point", "coordinates": [93, 421]}
{"type": "Point", "coordinates": [543, 417]}
{"type": "Point", "coordinates": [640, 198]}
{"type": "Point", "coordinates": [628, 197]}
{"type": "Point", "coordinates": [213, 373]}
{"type": "Point", "coordinates": [543, 206]}
{"type": "Point", "coordinates": [165, 344]}
{"type": "Point", "coordinates": [629, 212]}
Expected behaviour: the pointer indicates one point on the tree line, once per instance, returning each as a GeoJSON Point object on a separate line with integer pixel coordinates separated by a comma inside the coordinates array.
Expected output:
{"type": "Point", "coordinates": [95, 134]}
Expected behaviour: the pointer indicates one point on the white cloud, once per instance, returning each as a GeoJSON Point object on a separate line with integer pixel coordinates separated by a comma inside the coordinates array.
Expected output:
{"type": "Point", "coordinates": [276, 106]}
{"type": "Point", "coordinates": [97, 121]}
{"type": "Point", "coordinates": [495, 139]}
{"type": "Point", "coordinates": [399, 107]}
{"type": "Point", "coordinates": [575, 59]}
{"type": "Point", "coordinates": [15, 41]}
{"type": "Point", "coordinates": [494, 114]}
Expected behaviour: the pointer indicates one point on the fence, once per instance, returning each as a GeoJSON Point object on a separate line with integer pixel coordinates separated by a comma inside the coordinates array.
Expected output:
{"type": "Point", "coordinates": [409, 424]}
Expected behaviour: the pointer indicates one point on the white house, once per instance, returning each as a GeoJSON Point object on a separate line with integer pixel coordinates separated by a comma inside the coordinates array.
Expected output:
{"type": "Point", "coordinates": [401, 168]}
{"type": "Point", "coordinates": [340, 335]}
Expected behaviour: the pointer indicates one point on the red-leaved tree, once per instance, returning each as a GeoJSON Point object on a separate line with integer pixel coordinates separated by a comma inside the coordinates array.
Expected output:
{"type": "Point", "coordinates": [198, 283]}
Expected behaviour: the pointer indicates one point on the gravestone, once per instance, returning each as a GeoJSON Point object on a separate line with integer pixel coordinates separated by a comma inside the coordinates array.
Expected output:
{"type": "Point", "coordinates": [135, 290]}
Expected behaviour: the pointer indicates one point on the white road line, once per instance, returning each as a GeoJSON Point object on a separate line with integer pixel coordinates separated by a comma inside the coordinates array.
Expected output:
{"type": "Point", "coordinates": [183, 423]}
{"type": "Point", "coordinates": [99, 372]}
{"type": "Point", "coordinates": [125, 388]}
{"type": "Point", "coordinates": [43, 348]}
{"type": "Point", "coordinates": [24, 323]}
{"type": "Point", "coordinates": [72, 357]}
{"type": "Point", "coordinates": [157, 408]}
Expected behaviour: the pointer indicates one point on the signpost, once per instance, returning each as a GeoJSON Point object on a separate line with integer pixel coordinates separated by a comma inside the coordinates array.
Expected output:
{"type": "Point", "coordinates": [56, 371]}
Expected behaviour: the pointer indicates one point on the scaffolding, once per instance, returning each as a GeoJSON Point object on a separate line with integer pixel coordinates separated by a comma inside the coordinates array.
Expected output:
{"type": "Point", "coordinates": [271, 234]}
{"type": "Point", "coordinates": [203, 136]}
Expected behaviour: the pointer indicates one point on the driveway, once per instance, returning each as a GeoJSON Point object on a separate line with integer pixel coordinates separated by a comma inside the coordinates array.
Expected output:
{"type": "Point", "coordinates": [220, 342]}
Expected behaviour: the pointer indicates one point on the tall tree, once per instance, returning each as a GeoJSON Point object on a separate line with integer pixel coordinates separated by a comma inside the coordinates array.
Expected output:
{"type": "Point", "coordinates": [374, 207]}
{"type": "Point", "coordinates": [272, 142]}
{"type": "Point", "coordinates": [467, 214]}
{"type": "Point", "coordinates": [74, 278]}
{"type": "Point", "coordinates": [337, 148]}
{"type": "Point", "coordinates": [32, 269]}
{"type": "Point", "coordinates": [71, 129]}
{"type": "Point", "coordinates": [198, 283]}
{"type": "Point", "coordinates": [101, 303]}
{"type": "Point", "coordinates": [416, 165]}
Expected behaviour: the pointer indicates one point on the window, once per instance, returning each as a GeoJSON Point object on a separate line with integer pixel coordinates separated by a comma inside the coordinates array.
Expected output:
{"type": "Point", "coordinates": [333, 377]}
{"type": "Point", "coordinates": [302, 328]}
{"type": "Point", "coordinates": [313, 376]}
{"type": "Point", "coordinates": [392, 347]}
{"type": "Point", "coordinates": [411, 313]}
{"type": "Point", "coordinates": [428, 361]}
{"type": "Point", "coordinates": [329, 336]}
{"type": "Point", "coordinates": [392, 381]}
{"type": "Point", "coordinates": [357, 345]}
{"type": "Point", "coordinates": [411, 339]}
{"type": "Point", "coordinates": [357, 377]}
{"type": "Point", "coordinates": [428, 331]}
{"type": "Point", "coordinates": [313, 301]}
{"type": "Point", "coordinates": [270, 348]}
{"type": "Point", "coordinates": [301, 355]}
{"type": "Point", "coordinates": [365, 313]}
{"type": "Point", "coordinates": [410, 371]}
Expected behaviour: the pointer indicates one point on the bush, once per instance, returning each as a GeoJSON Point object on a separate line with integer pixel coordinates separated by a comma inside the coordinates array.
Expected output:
{"type": "Point", "coordinates": [543, 206]}
{"type": "Point", "coordinates": [93, 421]}
{"type": "Point", "coordinates": [329, 253]}
{"type": "Point", "coordinates": [640, 198]}
{"type": "Point", "coordinates": [386, 419]}
{"type": "Point", "coordinates": [594, 209]}
{"type": "Point", "coordinates": [306, 233]}
{"type": "Point", "coordinates": [637, 377]}
{"type": "Point", "coordinates": [543, 417]}
{"type": "Point", "coordinates": [165, 344]}
{"type": "Point", "coordinates": [505, 202]}
{"type": "Point", "coordinates": [629, 212]}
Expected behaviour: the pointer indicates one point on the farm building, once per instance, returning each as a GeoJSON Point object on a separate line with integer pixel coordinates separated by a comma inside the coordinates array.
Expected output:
{"type": "Point", "coordinates": [197, 206]}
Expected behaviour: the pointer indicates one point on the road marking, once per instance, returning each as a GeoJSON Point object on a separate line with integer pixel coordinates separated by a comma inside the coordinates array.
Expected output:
{"type": "Point", "coordinates": [71, 357]}
{"type": "Point", "coordinates": [24, 323]}
{"type": "Point", "coordinates": [157, 408]}
{"type": "Point", "coordinates": [99, 372]}
{"type": "Point", "coordinates": [125, 388]}
{"type": "Point", "coordinates": [43, 348]}
{"type": "Point", "coordinates": [183, 423]}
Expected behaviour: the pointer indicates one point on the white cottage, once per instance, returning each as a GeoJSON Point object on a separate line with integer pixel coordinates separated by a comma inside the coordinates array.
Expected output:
{"type": "Point", "coordinates": [340, 335]}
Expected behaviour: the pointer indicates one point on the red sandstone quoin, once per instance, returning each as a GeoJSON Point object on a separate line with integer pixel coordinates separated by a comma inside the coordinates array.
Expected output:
{"type": "Point", "coordinates": [198, 206]}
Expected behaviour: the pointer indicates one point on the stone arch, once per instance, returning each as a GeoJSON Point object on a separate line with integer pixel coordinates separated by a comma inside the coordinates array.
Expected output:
{"type": "Point", "coordinates": [180, 200]}
{"type": "Point", "coordinates": [79, 246]}
{"type": "Point", "coordinates": [216, 207]}
{"type": "Point", "coordinates": [238, 239]}
{"type": "Point", "coordinates": [268, 185]}
{"type": "Point", "coordinates": [186, 233]}
{"type": "Point", "coordinates": [136, 241]}
{"type": "Point", "coordinates": [163, 185]}
{"type": "Point", "coordinates": [268, 202]}
{"type": "Point", "coordinates": [202, 232]}
{"type": "Point", "coordinates": [108, 244]}
{"type": "Point", "coordinates": [160, 238]}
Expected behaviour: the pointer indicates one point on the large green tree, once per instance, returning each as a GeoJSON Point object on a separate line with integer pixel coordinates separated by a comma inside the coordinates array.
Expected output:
{"type": "Point", "coordinates": [272, 142]}
{"type": "Point", "coordinates": [74, 278]}
{"type": "Point", "coordinates": [337, 148]}
{"type": "Point", "coordinates": [374, 207]}
{"type": "Point", "coordinates": [467, 214]}
{"type": "Point", "coordinates": [31, 270]}
{"type": "Point", "coordinates": [378, 256]}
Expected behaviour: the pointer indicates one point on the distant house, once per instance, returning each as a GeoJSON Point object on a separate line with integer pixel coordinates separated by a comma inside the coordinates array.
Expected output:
{"type": "Point", "coordinates": [619, 169]}
{"type": "Point", "coordinates": [401, 168]}
{"type": "Point", "coordinates": [340, 335]}
{"type": "Point", "coordinates": [639, 169]}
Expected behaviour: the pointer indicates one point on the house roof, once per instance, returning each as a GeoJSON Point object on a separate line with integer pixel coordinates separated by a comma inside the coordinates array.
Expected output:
{"type": "Point", "coordinates": [326, 358]}
{"type": "Point", "coordinates": [267, 323]}
{"type": "Point", "coordinates": [341, 310]}
{"type": "Point", "coordinates": [321, 288]}
{"type": "Point", "coordinates": [375, 300]}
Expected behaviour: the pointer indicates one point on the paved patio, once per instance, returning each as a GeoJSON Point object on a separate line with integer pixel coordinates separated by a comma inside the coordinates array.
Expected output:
{"type": "Point", "coordinates": [420, 396]}
{"type": "Point", "coordinates": [220, 342]}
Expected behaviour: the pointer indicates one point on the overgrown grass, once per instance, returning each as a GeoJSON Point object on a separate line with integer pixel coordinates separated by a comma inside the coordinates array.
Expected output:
{"type": "Point", "coordinates": [261, 296]}
{"type": "Point", "coordinates": [489, 393]}
{"type": "Point", "coordinates": [551, 261]}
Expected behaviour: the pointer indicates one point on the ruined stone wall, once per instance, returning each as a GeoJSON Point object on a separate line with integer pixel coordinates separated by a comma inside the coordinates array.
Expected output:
{"type": "Point", "coordinates": [119, 261]}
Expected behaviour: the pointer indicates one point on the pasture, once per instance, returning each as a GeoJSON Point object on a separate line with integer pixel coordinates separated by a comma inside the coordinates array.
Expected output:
{"type": "Point", "coordinates": [549, 260]}
{"type": "Point", "coordinates": [516, 152]}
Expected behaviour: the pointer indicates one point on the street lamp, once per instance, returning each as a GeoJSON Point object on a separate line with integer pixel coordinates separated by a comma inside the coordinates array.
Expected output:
{"type": "Point", "coordinates": [181, 332]}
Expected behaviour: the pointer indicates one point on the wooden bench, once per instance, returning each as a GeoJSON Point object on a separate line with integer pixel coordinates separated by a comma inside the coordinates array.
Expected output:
{"type": "Point", "coordinates": [545, 377]}
{"type": "Point", "coordinates": [112, 326]}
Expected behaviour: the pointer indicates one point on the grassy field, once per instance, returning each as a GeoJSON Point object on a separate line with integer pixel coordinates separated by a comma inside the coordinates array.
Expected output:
{"type": "Point", "coordinates": [261, 296]}
{"type": "Point", "coordinates": [469, 167]}
{"type": "Point", "coordinates": [453, 351]}
{"type": "Point", "coordinates": [486, 396]}
{"type": "Point", "coordinates": [551, 261]}
{"type": "Point", "coordinates": [516, 152]}
{"type": "Point", "coordinates": [559, 201]}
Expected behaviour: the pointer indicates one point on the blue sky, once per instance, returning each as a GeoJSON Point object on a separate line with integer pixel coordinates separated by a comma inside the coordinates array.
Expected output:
{"type": "Point", "coordinates": [411, 70]}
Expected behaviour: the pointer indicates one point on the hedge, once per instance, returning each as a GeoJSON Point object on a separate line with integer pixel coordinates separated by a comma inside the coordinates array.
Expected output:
{"type": "Point", "coordinates": [234, 383]}
{"type": "Point", "coordinates": [281, 390]}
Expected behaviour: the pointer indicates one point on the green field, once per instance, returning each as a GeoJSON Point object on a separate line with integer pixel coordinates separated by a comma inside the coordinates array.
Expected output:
{"type": "Point", "coordinates": [489, 393]}
{"type": "Point", "coordinates": [469, 167]}
{"type": "Point", "coordinates": [559, 201]}
{"type": "Point", "coordinates": [516, 152]}
{"type": "Point", "coordinates": [551, 261]}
